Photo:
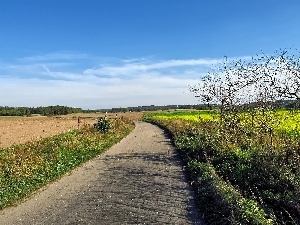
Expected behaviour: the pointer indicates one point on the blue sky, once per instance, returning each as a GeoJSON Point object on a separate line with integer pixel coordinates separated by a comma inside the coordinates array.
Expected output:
{"type": "Point", "coordinates": [117, 53]}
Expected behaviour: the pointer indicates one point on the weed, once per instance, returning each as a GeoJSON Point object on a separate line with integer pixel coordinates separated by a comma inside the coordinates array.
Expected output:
{"type": "Point", "coordinates": [103, 125]}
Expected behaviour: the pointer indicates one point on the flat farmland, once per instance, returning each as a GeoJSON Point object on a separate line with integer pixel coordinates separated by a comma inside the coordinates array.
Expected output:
{"type": "Point", "coordinates": [19, 130]}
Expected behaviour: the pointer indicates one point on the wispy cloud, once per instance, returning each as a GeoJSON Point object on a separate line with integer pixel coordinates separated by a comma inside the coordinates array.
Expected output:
{"type": "Point", "coordinates": [95, 83]}
{"type": "Point", "coordinates": [58, 56]}
{"type": "Point", "coordinates": [48, 70]}
{"type": "Point", "coordinates": [136, 67]}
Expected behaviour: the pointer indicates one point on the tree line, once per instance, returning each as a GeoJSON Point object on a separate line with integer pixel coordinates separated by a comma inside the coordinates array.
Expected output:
{"type": "Point", "coordinates": [42, 110]}
{"type": "Point", "coordinates": [64, 110]}
{"type": "Point", "coordinates": [155, 108]}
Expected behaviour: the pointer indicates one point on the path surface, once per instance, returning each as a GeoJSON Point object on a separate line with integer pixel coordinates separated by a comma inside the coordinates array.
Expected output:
{"type": "Point", "coordinates": [138, 181]}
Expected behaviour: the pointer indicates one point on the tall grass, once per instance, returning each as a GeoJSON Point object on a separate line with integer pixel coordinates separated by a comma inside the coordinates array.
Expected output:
{"type": "Point", "coordinates": [239, 175]}
{"type": "Point", "coordinates": [27, 167]}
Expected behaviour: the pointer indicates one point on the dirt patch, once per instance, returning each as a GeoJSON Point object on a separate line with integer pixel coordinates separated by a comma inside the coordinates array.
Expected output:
{"type": "Point", "coordinates": [22, 130]}
{"type": "Point", "coordinates": [19, 130]}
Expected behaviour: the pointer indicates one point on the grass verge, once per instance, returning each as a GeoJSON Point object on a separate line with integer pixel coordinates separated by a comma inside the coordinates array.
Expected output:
{"type": "Point", "coordinates": [239, 178]}
{"type": "Point", "coordinates": [27, 167]}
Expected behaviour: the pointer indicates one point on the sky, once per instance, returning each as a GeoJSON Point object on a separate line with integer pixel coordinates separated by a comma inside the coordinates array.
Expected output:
{"type": "Point", "coordinates": [97, 54]}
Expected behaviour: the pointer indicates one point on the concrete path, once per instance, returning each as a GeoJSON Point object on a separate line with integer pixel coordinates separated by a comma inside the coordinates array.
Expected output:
{"type": "Point", "coordinates": [138, 181]}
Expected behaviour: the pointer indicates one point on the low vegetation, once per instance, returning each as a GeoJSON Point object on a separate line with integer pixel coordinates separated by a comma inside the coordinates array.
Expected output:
{"type": "Point", "coordinates": [244, 156]}
{"type": "Point", "coordinates": [240, 177]}
{"type": "Point", "coordinates": [27, 167]}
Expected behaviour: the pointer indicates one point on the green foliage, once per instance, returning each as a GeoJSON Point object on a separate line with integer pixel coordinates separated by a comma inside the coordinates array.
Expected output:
{"type": "Point", "coordinates": [25, 168]}
{"type": "Point", "coordinates": [45, 111]}
{"type": "Point", "coordinates": [237, 173]}
{"type": "Point", "coordinates": [156, 108]}
{"type": "Point", "coordinates": [223, 204]}
{"type": "Point", "coordinates": [103, 125]}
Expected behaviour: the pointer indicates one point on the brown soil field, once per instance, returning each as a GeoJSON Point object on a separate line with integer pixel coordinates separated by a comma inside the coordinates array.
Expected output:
{"type": "Point", "coordinates": [19, 130]}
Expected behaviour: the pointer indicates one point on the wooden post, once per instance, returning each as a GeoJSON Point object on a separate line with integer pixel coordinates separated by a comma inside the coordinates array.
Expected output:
{"type": "Point", "coordinates": [78, 121]}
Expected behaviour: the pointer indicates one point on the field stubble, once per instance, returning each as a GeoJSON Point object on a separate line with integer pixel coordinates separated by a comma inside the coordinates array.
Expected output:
{"type": "Point", "coordinates": [19, 130]}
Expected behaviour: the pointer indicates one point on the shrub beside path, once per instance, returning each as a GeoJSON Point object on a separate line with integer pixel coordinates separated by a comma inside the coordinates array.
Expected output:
{"type": "Point", "coordinates": [138, 181]}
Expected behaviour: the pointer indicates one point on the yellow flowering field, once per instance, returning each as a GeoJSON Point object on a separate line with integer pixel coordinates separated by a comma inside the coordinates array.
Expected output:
{"type": "Point", "coordinates": [281, 120]}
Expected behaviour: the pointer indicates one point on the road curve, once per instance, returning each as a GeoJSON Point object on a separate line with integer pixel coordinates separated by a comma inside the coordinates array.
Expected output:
{"type": "Point", "coordinates": [138, 181]}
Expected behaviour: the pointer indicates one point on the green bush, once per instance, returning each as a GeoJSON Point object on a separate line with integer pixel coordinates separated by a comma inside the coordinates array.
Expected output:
{"type": "Point", "coordinates": [103, 125]}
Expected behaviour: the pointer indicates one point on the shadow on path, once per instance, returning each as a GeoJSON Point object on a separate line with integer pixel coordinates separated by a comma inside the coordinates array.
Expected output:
{"type": "Point", "coordinates": [138, 181]}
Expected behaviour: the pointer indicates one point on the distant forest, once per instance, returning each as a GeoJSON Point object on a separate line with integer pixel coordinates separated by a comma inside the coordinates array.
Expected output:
{"type": "Point", "coordinates": [280, 104]}
{"type": "Point", "coordinates": [64, 110]}
{"type": "Point", "coordinates": [156, 108]}
{"type": "Point", "coordinates": [44, 111]}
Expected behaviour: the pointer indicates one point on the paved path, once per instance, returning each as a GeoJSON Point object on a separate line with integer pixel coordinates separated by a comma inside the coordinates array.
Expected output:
{"type": "Point", "coordinates": [138, 181]}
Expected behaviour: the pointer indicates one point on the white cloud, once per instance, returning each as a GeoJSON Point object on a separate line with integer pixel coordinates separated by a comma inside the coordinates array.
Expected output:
{"type": "Point", "coordinates": [38, 81]}
{"type": "Point", "coordinates": [137, 67]}
{"type": "Point", "coordinates": [48, 71]}
{"type": "Point", "coordinates": [58, 56]}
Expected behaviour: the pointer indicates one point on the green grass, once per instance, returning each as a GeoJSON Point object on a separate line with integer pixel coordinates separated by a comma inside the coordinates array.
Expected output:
{"type": "Point", "coordinates": [242, 174]}
{"type": "Point", "coordinates": [25, 168]}
{"type": "Point", "coordinates": [223, 203]}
